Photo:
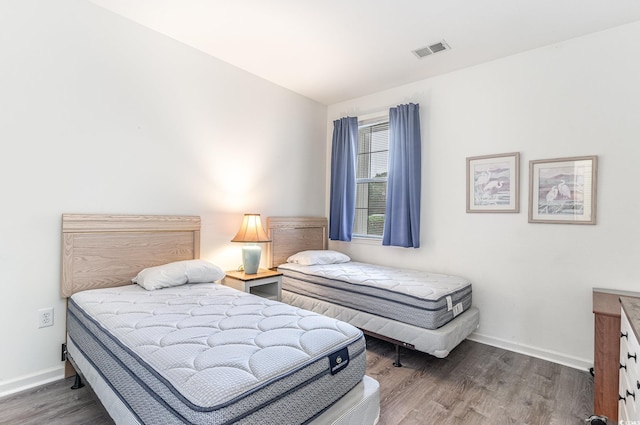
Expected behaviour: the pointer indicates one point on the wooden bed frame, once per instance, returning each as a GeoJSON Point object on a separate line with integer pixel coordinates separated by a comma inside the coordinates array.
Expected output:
{"type": "Point", "coordinates": [103, 251]}
{"type": "Point", "coordinates": [294, 234]}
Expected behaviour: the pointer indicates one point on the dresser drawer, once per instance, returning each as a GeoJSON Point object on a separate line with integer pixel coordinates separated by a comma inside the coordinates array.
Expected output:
{"type": "Point", "coordinates": [629, 398]}
{"type": "Point", "coordinates": [629, 383]}
{"type": "Point", "coordinates": [629, 347]}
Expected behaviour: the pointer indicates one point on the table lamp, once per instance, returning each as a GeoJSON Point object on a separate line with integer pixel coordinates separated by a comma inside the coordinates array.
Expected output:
{"type": "Point", "coordinates": [251, 232]}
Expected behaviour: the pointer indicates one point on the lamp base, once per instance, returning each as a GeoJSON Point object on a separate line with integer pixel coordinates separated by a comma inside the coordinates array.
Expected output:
{"type": "Point", "coordinates": [251, 258]}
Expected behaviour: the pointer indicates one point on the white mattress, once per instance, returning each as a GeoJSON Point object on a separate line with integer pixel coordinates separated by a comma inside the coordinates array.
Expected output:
{"type": "Point", "coordinates": [360, 406]}
{"type": "Point", "coordinates": [438, 342]}
{"type": "Point", "coordinates": [419, 298]}
{"type": "Point", "coordinates": [207, 353]}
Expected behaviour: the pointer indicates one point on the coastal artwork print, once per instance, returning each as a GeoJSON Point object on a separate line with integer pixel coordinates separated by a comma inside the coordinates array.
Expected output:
{"type": "Point", "coordinates": [492, 183]}
{"type": "Point", "coordinates": [563, 190]}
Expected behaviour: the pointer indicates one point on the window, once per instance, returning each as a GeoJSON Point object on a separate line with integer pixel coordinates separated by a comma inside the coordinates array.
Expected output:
{"type": "Point", "coordinates": [371, 177]}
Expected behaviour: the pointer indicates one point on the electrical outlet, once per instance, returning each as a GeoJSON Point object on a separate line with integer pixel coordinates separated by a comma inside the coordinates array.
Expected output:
{"type": "Point", "coordinates": [45, 317]}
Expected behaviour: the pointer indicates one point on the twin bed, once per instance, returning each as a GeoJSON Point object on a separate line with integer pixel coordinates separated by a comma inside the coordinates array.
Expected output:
{"type": "Point", "coordinates": [428, 312]}
{"type": "Point", "coordinates": [196, 351]}
{"type": "Point", "coordinates": [199, 352]}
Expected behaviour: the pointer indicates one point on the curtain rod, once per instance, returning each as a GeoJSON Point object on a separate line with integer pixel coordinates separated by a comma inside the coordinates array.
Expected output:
{"type": "Point", "coordinates": [371, 113]}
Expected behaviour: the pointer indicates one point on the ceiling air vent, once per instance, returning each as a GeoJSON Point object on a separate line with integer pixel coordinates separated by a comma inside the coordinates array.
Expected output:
{"type": "Point", "coordinates": [429, 50]}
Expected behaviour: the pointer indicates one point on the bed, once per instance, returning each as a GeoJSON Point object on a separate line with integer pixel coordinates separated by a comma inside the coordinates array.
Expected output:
{"type": "Point", "coordinates": [397, 307]}
{"type": "Point", "coordinates": [196, 351]}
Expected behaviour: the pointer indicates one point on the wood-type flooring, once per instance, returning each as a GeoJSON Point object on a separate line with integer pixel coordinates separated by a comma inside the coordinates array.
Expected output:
{"type": "Point", "coordinates": [475, 384]}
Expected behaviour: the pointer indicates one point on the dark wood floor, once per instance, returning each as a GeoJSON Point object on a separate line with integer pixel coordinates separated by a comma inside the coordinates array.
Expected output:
{"type": "Point", "coordinates": [478, 384]}
{"type": "Point", "coordinates": [475, 384]}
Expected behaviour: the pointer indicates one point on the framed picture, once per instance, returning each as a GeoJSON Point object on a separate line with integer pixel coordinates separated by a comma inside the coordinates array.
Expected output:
{"type": "Point", "coordinates": [493, 183]}
{"type": "Point", "coordinates": [563, 190]}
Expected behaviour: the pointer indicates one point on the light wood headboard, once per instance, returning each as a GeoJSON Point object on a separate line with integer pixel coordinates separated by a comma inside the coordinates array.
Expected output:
{"type": "Point", "coordinates": [294, 234]}
{"type": "Point", "coordinates": [102, 251]}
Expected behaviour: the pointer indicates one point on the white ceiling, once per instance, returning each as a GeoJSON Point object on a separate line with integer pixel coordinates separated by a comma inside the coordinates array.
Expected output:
{"type": "Point", "coordinates": [334, 50]}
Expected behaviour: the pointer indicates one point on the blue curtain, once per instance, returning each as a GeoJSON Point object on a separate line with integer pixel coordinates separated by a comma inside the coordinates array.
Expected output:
{"type": "Point", "coordinates": [402, 214]}
{"type": "Point", "coordinates": [344, 151]}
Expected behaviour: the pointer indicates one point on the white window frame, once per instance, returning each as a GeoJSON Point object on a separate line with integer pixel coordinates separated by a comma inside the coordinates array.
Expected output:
{"type": "Point", "coordinates": [368, 121]}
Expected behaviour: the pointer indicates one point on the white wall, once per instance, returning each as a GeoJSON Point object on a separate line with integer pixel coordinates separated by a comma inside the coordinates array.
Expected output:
{"type": "Point", "coordinates": [531, 282]}
{"type": "Point", "coordinates": [100, 115]}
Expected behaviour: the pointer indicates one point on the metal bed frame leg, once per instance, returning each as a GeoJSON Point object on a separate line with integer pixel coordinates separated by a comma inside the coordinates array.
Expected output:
{"type": "Point", "coordinates": [397, 362]}
{"type": "Point", "coordinates": [77, 384]}
{"type": "Point", "coordinates": [395, 342]}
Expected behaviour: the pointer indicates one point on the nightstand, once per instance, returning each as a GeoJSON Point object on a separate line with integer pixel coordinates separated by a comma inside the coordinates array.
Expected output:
{"type": "Point", "coordinates": [265, 283]}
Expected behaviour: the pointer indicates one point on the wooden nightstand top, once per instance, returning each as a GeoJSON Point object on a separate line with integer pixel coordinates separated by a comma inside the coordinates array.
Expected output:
{"type": "Point", "coordinates": [262, 273]}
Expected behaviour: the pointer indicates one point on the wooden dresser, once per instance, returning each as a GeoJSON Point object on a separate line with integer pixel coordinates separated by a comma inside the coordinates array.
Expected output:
{"type": "Point", "coordinates": [606, 355]}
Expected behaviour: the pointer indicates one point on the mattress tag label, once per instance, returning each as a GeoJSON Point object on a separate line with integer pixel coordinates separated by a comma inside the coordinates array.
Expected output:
{"type": "Point", "coordinates": [457, 309]}
{"type": "Point", "coordinates": [339, 360]}
{"type": "Point", "coordinates": [449, 303]}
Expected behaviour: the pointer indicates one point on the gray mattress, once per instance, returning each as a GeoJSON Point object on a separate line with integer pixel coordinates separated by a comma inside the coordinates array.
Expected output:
{"type": "Point", "coordinates": [208, 354]}
{"type": "Point", "coordinates": [422, 299]}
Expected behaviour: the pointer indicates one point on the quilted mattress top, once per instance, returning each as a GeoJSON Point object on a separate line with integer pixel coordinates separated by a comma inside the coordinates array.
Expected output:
{"type": "Point", "coordinates": [211, 342]}
{"type": "Point", "coordinates": [416, 283]}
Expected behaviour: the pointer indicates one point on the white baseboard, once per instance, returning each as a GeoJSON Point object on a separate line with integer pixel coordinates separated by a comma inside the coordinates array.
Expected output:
{"type": "Point", "coordinates": [26, 382]}
{"type": "Point", "coordinates": [552, 356]}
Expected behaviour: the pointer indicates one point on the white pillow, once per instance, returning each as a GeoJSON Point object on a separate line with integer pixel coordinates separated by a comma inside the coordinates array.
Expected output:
{"type": "Point", "coordinates": [178, 273]}
{"type": "Point", "coordinates": [312, 257]}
